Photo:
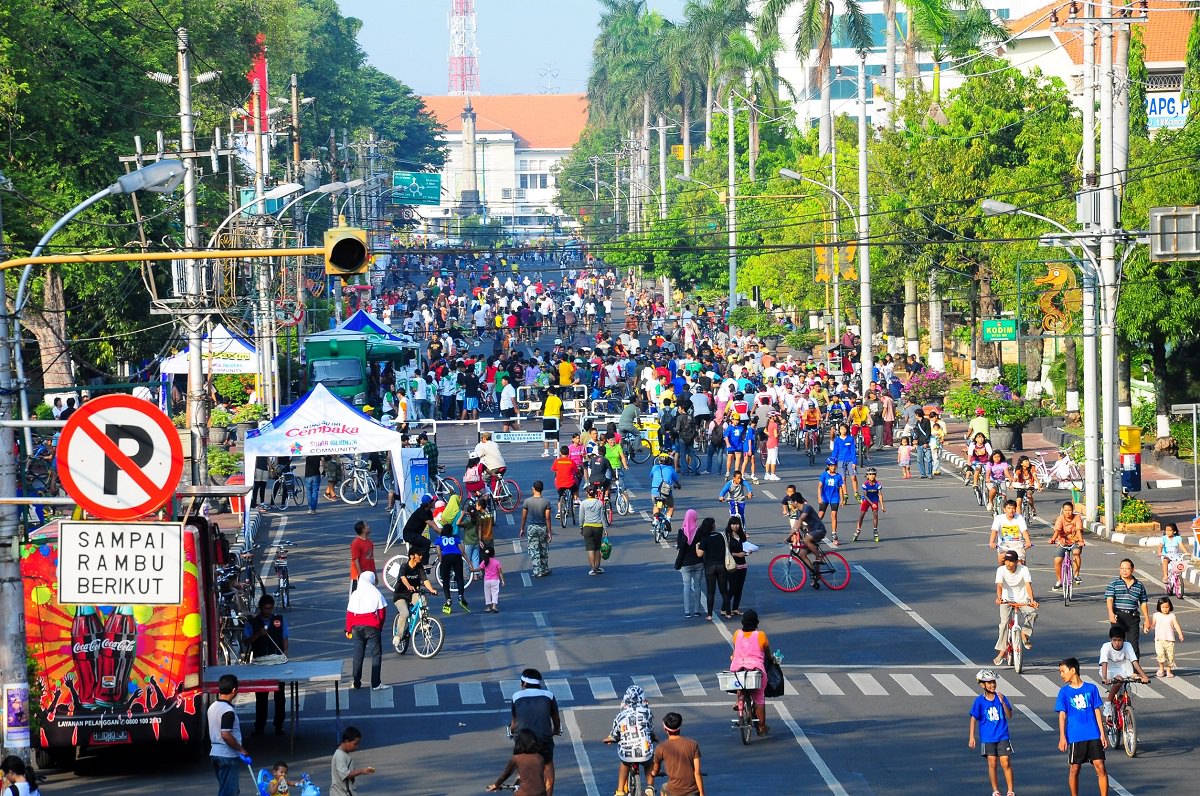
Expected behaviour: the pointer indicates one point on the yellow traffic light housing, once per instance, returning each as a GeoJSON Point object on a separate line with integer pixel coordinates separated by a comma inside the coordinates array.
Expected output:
{"type": "Point", "coordinates": [346, 251]}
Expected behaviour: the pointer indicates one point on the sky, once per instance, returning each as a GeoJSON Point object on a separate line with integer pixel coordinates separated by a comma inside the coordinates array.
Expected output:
{"type": "Point", "coordinates": [525, 46]}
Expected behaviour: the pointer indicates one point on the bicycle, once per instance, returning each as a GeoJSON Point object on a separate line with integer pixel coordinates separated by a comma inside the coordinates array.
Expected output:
{"type": "Point", "coordinates": [997, 504]}
{"type": "Point", "coordinates": [423, 632]}
{"type": "Point", "coordinates": [1066, 574]}
{"type": "Point", "coordinates": [1014, 653]}
{"type": "Point", "coordinates": [1122, 724]}
{"type": "Point", "coordinates": [283, 581]}
{"type": "Point", "coordinates": [636, 446]}
{"type": "Point", "coordinates": [445, 486]}
{"type": "Point", "coordinates": [812, 444]}
{"type": "Point", "coordinates": [620, 497]}
{"type": "Point", "coordinates": [505, 493]}
{"type": "Point", "coordinates": [789, 571]}
{"type": "Point", "coordinates": [358, 485]}
{"type": "Point", "coordinates": [287, 486]}
{"type": "Point", "coordinates": [743, 682]}
{"type": "Point", "coordinates": [1063, 471]}
{"type": "Point", "coordinates": [567, 508]}
{"type": "Point", "coordinates": [660, 523]}
{"type": "Point", "coordinates": [1175, 567]}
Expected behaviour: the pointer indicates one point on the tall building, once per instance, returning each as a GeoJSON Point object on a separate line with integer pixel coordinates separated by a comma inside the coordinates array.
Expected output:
{"type": "Point", "coordinates": [518, 141]}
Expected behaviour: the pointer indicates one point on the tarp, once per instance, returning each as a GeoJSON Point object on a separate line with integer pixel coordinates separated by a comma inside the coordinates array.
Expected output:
{"type": "Point", "coordinates": [366, 323]}
{"type": "Point", "coordinates": [224, 352]}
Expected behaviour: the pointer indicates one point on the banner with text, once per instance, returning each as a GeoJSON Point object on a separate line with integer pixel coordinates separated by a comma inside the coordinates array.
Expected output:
{"type": "Point", "coordinates": [120, 563]}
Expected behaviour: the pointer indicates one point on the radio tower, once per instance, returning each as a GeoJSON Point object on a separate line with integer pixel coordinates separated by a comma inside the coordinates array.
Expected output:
{"type": "Point", "coordinates": [464, 55]}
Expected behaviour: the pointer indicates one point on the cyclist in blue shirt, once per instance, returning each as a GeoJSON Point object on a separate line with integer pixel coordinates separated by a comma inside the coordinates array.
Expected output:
{"type": "Point", "coordinates": [872, 499]}
{"type": "Point", "coordinates": [831, 492]}
{"type": "Point", "coordinates": [845, 453]}
{"type": "Point", "coordinates": [735, 444]}
{"type": "Point", "coordinates": [663, 481]}
{"type": "Point", "coordinates": [991, 712]}
{"type": "Point", "coordinates": [736, 491]}
{"type": "Point", "coordinates": [1080, 725]}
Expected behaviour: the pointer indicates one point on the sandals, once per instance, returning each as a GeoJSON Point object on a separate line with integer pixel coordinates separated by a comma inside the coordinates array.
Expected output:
{"type": "Point", "coordinates": [737, 613]}
{"type": "Point", "coordinates": [763, 732]}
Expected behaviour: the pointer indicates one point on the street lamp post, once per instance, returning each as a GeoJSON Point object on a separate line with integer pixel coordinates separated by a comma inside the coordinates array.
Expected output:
{"type": "Point", "coordinates": [866, 362]}
{"type": "Point", "coordinates": [1091, 399]}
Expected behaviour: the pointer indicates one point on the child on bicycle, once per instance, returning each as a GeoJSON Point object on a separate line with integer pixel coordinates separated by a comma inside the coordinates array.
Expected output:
{"type": "Point", "coordinates": [1166, 630]}
{"type": "Point", "coordinates": [528, 764]}
{"type": "Point", "coordinates": [979, 452]}
{"type": "Point", "coordinates": [633, 732]}
{"type": "Point", "coordinates": [1171, 547]}
{"type": "Point", "coordinates": [997, 474]}
{"type": "Point", "coordinates": [1009, 532]}
{"type": "Point", "coordinates": [872, 499]}
{"type": "Point", "coordinates": [1025, 483]}
{"type": "Point", "coordinates": [1068, 536]}
{"type": "Point", "coordinates": [736, 492]}
{"type": "Point", "coordinates": [1117, 661]}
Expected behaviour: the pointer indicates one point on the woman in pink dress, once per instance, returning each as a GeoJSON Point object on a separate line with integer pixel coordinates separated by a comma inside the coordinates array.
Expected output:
{"type": "Point", "coordinates": [750, 651]}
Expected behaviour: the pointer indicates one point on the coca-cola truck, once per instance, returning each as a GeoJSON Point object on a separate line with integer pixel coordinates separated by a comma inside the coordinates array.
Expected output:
{"type": "Point", "coordinates": [115, 621]}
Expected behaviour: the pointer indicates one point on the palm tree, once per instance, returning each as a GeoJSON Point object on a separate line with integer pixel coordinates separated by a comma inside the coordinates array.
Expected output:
{"type": "Point", "coordinates": [754, 66]}
{"type": "Point", "coordinates": [947, 29]}
{"type": "Point", "coordinates": [710, 24]}
{"type": "Point", "coordinates": [814, 31]}
{"type": "Point", "coordinates": [684, 76]}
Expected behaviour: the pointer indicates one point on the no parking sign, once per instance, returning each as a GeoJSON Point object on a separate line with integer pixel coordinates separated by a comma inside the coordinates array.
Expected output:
{"type": "Point", "coordinates": [119, 457]}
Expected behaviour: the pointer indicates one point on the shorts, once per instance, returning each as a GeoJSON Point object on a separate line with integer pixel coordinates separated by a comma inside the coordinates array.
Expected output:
{"type": "Point", "coordinates": [1063, 552]}
{"type": "Point", "coordinates": [1022, 492]}
{"type": "Point", "coordinates": [772, 455]}
{"type": "Point", "coordinates": [546, 747]}
{"type": "Point", "coordinates": [822, 505]}
{"type": "Point", "coordinates": [471, 404]}
{"type": "Point", "coordinates": [847, 469]}
{"type": "Point", "coordinates": [551, 425]}
{"type": "Point", "coordinates": [977, 464]}
{"type": "Point", "coordinates": [996, 749]}
{"type": "Point", "coordinates": [817, 533]}
{"type": "Point", "coordinates": [667, 500]}
{"type": "Point", "coordinates": [509, 413]}
{"type": "Point", "coordinates": [1018, 546]}
{"type": "Point", "coordinates": [592, 535]}
{"type": "Point", "coordinates": [867, 504]}
{"type": "Point", "coordinates": [1080, 752]}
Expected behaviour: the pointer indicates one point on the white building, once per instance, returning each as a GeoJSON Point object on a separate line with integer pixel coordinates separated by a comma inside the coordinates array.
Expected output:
{"type": "Point", "coordinates": [519, 140]}
{"type": "Point", "coordinates": [844, 63]}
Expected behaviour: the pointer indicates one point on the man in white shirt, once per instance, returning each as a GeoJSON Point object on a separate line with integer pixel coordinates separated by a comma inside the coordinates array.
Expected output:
{"type": "Point", "coordinates": [1014, 585]}
{"type": "Point", "coordinates": [508, 404]}
{"type": "Point", "coordinates": [1118, 659]}
{"type": "Point", "coordinates": [489, 453]}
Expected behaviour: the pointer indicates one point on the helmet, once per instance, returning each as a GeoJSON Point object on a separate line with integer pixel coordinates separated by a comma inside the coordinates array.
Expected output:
{"type": "Point", "coordinates": [426, 499]}
{"type": "Point", "coordinates": [872, 471]}
{"type": "Point", "coordinates": [666, 458]}
{"type": "Point", "coordinates": [558, 341]}
{"type": "Point", "coordinates": [979, 411]}
{"type": "Point", "coordinates": [830, 461]}
{"type": "Point", "coordinates": [985, 676]}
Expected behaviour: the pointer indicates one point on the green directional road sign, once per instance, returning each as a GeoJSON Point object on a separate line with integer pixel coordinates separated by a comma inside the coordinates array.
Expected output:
{"type": "Point", "coordinates": [416, 188]}
{"type": "Point", "coordinates": [998, 330]}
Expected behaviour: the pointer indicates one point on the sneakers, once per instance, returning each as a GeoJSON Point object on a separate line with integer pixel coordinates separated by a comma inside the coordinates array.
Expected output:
{"type": "Point", "coordinates": [1058, 586]}
{"type": "Point", "coordinates": [836, 543]}
{"type": "Point", "coordinates": [446, 608]}
{"type": "Point", "coordinates": [380, 687]}
{"type": "Point", "coordinates": [464, 605]}
{"type": "Point", "coordinates": [545, 454]}
{"type": "Point", "coordinates": [593, 572]}
{"type": "Point", "coordinates": [877, 534]}
{"type": "Point", "coordinates": [1107, 710]}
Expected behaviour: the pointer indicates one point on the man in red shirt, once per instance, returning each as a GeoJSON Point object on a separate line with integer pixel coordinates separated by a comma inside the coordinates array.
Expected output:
{"type": "Point", "coordinates": [362, 553]}
{"type": "Point", "coordinates": [566, 474]}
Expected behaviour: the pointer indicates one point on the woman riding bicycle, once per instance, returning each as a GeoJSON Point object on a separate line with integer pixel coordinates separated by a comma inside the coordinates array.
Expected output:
{"type": "Point", "coordinates": [1068, 536]}
{"type": "Point", "coordinates": [750, 651]}
{"type": "Point", "coordinates": [978, 451]}
{"type": "Point", "coordinates": [997, 474]}
{"type": "Point", "coordinates": [1025, 483]}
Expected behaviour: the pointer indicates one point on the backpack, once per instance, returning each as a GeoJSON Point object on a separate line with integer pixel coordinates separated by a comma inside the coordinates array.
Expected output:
{"type": "Point", "coordinates": [669, 418]}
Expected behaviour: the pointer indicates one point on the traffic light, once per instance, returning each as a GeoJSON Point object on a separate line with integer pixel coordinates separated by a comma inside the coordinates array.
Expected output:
{"type": "Point", "coordinates": [346, 251]}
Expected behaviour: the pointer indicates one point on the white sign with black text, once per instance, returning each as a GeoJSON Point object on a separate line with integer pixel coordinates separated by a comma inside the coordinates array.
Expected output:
{"type": "Point", "coordinates": [120, 563]}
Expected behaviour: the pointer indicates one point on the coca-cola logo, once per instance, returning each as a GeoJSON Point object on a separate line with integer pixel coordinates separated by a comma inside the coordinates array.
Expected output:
{"type": "Point", "coordinates": [95, 645]}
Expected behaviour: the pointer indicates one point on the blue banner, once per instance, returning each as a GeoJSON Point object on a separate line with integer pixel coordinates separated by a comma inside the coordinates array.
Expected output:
{"type": "Point", "coordinates": [417, 482]}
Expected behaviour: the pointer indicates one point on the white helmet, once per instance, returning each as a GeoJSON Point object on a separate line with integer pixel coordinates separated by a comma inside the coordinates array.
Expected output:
{"type": "Point", "coordinates": [985, 676]}
{"type": "Point", "coordinates": [558, 341]}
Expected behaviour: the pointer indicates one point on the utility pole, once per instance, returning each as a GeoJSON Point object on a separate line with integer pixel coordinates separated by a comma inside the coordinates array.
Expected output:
{"type": "Point", "coordinates": [662, 166]}
{"type": "Point", "coordinates": [1108, 278]}
{"type": "Point", "coordinates": [197, 395]}
{"type": "Point", "coordinates": [835, 257]}
{"type": "Point", "coordinates": [295, 128]}
{"type": "Point", "coordinates": [866, 357]}
{"type": "Point", "coordinates": [262, 324]}
{"type": "Point", "coordinates": [731, 207]}
{"type": "Point", "coordinates": [1091, 354]}
{"type": "Point", "coordinates": [616, 192]}
{"type": "Point", "coordinates": [12, 590]}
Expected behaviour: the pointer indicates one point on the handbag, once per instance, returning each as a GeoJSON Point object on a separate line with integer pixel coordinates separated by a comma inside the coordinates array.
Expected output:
{"type": "Point", "coordinates": [775, 682]}
{"type": "Point", "coordinates": [730, 561]}
{"type": "Point", "coordinates": [679, 559]}
{"type": "Point", "coordinates": [605, 547]}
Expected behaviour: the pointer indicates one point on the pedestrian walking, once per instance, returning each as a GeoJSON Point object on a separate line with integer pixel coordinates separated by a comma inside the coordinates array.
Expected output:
{"type": "Point", "coordinates": [990, 714]}
{"type": "Point", "coordinates": [1166, 630]}
{"type": "Point", "coordinates": [1125, 597]}
{"type": "Point", "coordinates": [591, 519]}
{"type": "Point", "coordinates": [536, 524]}
{"type": "Point", "coordinates": [312, 482]}
{"type": "Point", "coordinates": [493, 579]}
{"type": "Point", "coordinates": [740, 548]}
{"type": "Point", "coordinates": [364, 623]}
{"type": "Point", "coordinates": [688, 562]}
{"type": "Point", "coordinates": [225, 736]}
{"type": "Point", "coordinates": [362, 553]}
{"type": "Point", "coordinates": [1080, 725]}
{"type": "Point", "coordinates": [343, 774]}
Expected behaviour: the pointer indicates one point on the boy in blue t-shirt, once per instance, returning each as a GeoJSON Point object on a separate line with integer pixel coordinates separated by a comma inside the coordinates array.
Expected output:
{"type": "Point", "coordinates": [1080, 725]}
{"type": "Point", "coordinates": [991, 713]}
{"type": "Point", "coordinates": [831, 492]}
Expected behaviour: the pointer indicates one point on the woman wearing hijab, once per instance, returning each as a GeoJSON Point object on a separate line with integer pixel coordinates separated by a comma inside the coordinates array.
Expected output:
{"type": "Point", "coordinates": [364, 624]}
{"type": "Point", "coordinates": [689, 564]}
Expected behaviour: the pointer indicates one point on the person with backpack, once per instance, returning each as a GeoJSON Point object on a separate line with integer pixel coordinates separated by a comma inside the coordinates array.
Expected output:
{"type": "Point", "coordinates": [667, 427]}
{"type": "Point", "coordinates": [664, 480]}
{"type": "Point", "coordinates": [686, 431]}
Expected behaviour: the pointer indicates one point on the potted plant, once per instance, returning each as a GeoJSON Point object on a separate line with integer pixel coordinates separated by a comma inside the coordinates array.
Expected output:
{"type": "Point", "coordinates": [745, 317]}
{"type": "Point", "coordinates": [1136, 516]}
{"type": "Point", "coordinates": [247, 418]}
{"type": "Point", "coordinates": [802, 342]}
{"type": "Point", "coordinates": [927, 387]}
{"type": "Point", "coordinates": [219, 421]}
{"type": "Point", "coordinates": [1006, 412]}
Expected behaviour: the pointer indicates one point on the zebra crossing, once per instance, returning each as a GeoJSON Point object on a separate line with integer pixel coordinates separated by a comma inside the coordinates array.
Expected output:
{"type": "Point", "coordinates": [895, 682]}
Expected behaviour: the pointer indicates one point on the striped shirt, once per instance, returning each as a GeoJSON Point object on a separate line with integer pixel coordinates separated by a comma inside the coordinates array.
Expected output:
{"type": "Point", "coordinates": [1126, 598]}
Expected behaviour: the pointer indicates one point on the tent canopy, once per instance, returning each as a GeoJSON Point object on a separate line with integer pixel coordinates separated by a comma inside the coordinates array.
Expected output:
{"type": "Point", "coordinates": [224, 352]}
{"type": "Point", "coordinates": [320, 424]}
{"type": "Point", "coordinates": [366, 323]}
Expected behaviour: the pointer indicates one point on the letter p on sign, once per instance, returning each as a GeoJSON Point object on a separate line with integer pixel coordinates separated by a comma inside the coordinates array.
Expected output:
{"type": "Point", "coordinates": [120, 457]}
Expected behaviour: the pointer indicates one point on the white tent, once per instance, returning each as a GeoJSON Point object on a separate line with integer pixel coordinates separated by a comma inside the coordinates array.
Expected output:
{"type": "Point", "coordinates": [224, 352]}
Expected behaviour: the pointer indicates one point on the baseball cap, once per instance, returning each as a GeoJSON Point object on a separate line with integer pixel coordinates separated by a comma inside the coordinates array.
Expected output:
{"type": "Point", "coordinates": [1011, 555]}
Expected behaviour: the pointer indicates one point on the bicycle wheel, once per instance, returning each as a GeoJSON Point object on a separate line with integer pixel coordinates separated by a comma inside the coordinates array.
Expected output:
{"type": "Point", "coordinates": [1018, 650]}
{"type": "Point", "coordinates": [353, 490]}
{"type": "Point", "coordinates": [608, 510]}
{"type": "Point", "coordinates": [1129, 730]}
{"type": "Point", "coordinates": [509, 496]}
{"type": "Point", "coordinates": [787, 572]}
{"type": "Point", "coordinates": [447, 487]}
{"type": "Point", "coordinates": [391, 571]}
{"type": "Point", "coordinates": [640, 453]}
{"type": "Point", "coordinates": [371, 490]}
{"type": "Point", "coordinates": [1067, 579]}
{"type": "Point", "coordinates": [834, 571]}
{"type": "Point", "coordinates": [428, 637]}
{"type": "Point", "coordinates": [979, 494]}
{"type": "Point", "coordinates": [744, 723]}
{"type": "Point", "coordinates": [297, 492]}
{"type": "Point", "coordinates": [622, 504]}
{"type": "Point", "coordinates": [399, 642]}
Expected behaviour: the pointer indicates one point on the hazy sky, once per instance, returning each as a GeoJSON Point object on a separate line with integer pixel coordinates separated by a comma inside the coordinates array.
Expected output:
{"type": "Point", "coordinates": [518, 41]}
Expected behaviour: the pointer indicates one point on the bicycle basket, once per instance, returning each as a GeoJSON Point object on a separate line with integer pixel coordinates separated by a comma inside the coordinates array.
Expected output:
{"type": "Point", "coordinates": [750, 680]}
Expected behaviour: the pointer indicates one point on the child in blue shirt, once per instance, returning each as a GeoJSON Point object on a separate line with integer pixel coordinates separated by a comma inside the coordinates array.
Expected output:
{"type": "Point", "coordinates": [1080, 724]}
{"type": "Point", "coordinates": [872, 500]}
{"type": "Point", "coordinates": [991, 712]}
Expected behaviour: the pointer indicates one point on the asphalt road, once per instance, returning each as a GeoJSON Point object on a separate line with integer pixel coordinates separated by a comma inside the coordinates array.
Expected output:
{"type": "Point", "coordinates": [880, 675]}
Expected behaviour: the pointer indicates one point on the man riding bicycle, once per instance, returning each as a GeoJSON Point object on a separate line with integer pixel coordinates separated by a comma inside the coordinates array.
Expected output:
{"type": "Point", "coordinates": [810, 424]}
{"type": "Point", "coordinates": [663, 481]}
{"type": "Point", "coordinates": [807, 528]}
{"type": "Point", "coordinates": [599, 473]}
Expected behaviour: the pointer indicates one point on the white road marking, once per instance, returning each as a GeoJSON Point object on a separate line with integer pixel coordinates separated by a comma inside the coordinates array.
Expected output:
{"type": "Point", "coordinates": [911, 685]}
{"type": "Point", "coordinates": [916, 617]}
{"type": "Point", "coordinates": [769, 494]}
{"type": "Point", "coordinates": [954, 685]}
{"type": "Point", "coordinates": [471, 693]}
{"type": "Point", "coordinates": [581, 756]}
{"type": "Point", "coordinates": [425, 695]}
{"type": "Point", "coordinates": [329, 699]}
{"type": "Point", "coordinates": [510, 519]}
{"type": "Point", "coordinates": [383, 699]}
{"type": "Point", "coordinates": [517, 546]}
{"type": "Point", "coordinates": [552, 660]}
{"type": "Point", "coordinates": [1035, 718]}
{"type": "Point", "coordinates": [1043, 684]}
{"type": "Point", "coordinates": [824, 684]}
{"type": "Point", "coordinates": [602, 688]}
{"type": "Point", "coordinates": [810, 751]}
{"type": "Point", "coordinates": [689, 685]}
{"type": "Point", "coordinates": [1179, 684]}
{"type": "Point", "coordinates": [561, 688]}
{"type": "Point", "coordinates": [508, 688]}
{"type": "Point", "coordinates": [867, 684]}
{"type": "Point", "coordinates": [648, 684]}
{"type": "Point", "coordinates": [526, 580]}
{"type": "Point", "coordinates": [646, 515]}
{"type": "Point", "coordinates": [1007, 688]}
{"type": "Point", "coordinates": [269, 563]}
{"type": "Point", "coordinates": [539, 618]}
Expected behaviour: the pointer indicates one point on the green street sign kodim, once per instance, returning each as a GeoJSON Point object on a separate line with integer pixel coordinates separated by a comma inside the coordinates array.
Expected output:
{"type": "Point", "coordinates": [999, 330]}
{"type": "Point", "coordinates": [416, 188]}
